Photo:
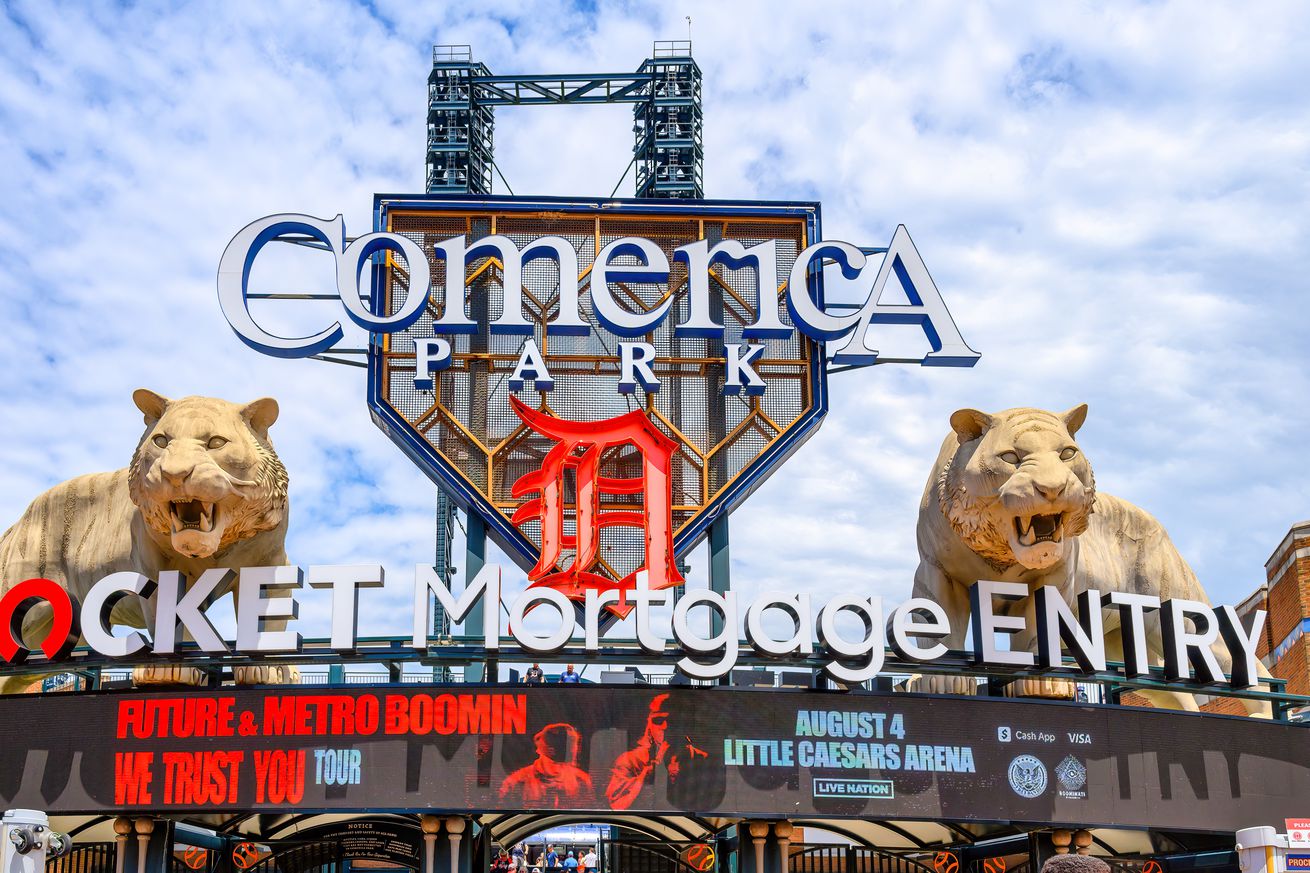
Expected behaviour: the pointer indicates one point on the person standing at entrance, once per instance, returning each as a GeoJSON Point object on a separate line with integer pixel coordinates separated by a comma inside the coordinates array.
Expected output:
{"type": "Point", "coordinates": [520, 857]}
{"type": "Point", "coordinates": [552, 860]}
{"type": "Point", "coordinates": [589, 861]}
{"type": "Point", "coordinates": [570, 863]}
{"type": "Point", "coordinates": [535, 675]}
{"type": "Point", "coordinates": [570, 676]}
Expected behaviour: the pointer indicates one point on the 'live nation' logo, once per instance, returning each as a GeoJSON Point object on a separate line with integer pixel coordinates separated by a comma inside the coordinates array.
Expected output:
{"type": "Point", "coordinates": [875, 788]}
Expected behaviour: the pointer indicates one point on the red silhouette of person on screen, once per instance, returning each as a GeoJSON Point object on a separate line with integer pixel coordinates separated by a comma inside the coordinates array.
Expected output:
{"type": "Point", "coordinates": [659, 748]}
{"type": "Point", "coordinates": [554, 780]}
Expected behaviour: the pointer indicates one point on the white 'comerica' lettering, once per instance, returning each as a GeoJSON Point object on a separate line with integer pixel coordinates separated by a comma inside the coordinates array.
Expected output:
{"type": "Point", "coordinates": [926, 308]}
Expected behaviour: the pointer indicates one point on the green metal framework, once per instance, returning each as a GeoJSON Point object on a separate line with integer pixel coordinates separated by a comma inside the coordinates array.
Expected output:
{"type": "Point", "coordinates": [468, 652]}
{"type": "Point", "coordinates": [668, 124]}
{"type": "Point", "coordinates": [460, 125]}
{"type": "Point", "coordinates": [665, 92]}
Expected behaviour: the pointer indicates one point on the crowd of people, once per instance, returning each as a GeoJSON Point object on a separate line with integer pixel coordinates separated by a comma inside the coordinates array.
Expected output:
{"type": "Point", "coordinates": [520, 859]}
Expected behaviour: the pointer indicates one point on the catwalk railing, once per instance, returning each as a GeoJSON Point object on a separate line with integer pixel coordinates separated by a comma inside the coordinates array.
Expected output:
{"type": "Point", "coordinates": [394, 660]}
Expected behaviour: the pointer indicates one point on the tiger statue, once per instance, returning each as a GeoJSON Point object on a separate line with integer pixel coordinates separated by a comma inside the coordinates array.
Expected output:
{"type": "Point", "coordinates": [204, 489]}
{"type": "Point", "coordinates": [1012, 498]}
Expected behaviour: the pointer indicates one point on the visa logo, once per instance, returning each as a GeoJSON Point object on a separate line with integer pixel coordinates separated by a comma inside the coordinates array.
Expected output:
{"type": "Point", "coordinates": [1080, 739]}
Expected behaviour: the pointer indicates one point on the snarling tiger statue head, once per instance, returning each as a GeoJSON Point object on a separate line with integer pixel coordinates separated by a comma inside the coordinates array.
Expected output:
{"type": "Point", "coordinates": [1018, 489]}
{"type": "Point", "coordinates": [205, 475]}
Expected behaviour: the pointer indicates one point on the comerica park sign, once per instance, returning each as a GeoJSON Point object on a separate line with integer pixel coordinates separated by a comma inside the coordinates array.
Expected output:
{"type": "Point", "coordinates": [599, 381]}
{"type": "Point", "coordinates": [912, 630]}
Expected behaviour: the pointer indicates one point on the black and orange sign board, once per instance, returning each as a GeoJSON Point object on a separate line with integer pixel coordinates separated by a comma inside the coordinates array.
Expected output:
{"type": "Point", "coordinates": [391, 844]}
{"type": "Point", "coordinates": [708, 751]}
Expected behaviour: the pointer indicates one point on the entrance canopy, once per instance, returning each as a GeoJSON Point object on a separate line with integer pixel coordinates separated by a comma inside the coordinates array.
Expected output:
{"type": "Point", "coordinates": [510, 828]}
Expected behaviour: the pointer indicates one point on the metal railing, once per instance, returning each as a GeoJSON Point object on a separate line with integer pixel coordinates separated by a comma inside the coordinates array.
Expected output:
{"type": "Point", "coordinates": [452, 54]}
{"type": "Point", "coordinates": [85, 858]}
{"type": "Point", "coordinates": [671, 48]}
{"type": "Point", "coordinates": [377, 659]}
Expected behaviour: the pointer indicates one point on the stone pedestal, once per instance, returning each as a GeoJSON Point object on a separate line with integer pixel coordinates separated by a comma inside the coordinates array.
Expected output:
{"type": "Point", "coordinates": [938, 684]}
{"type": "Point", "coordinates": [1044, 687]}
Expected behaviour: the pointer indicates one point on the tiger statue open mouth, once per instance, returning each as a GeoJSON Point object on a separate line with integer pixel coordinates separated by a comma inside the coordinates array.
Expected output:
{"type": "Point", "coordinates": [202, 477]}
{"type": "Point", "coordinates": [204, 489]}
{"type": "Point", "coordinates": [1011, 498]}
{"type": "Point", "coordinates": [1023, 494]}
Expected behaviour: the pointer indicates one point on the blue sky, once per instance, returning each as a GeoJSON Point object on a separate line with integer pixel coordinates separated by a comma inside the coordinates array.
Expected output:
{"type": "Point", "coordinates": [1113, 200]}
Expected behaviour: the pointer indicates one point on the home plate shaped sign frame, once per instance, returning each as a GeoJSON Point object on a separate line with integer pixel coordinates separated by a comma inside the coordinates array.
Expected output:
{"type": "Point", "coordinates": [727, 404]}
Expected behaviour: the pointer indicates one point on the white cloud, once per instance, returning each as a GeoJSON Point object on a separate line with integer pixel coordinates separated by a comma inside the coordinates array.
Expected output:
{"type": "Point", "coordinates": [1111, 199]}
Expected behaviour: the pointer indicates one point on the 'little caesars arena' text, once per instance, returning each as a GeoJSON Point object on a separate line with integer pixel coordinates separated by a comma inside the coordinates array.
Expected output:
{"type": "Point", "coordinates": [854, 741]}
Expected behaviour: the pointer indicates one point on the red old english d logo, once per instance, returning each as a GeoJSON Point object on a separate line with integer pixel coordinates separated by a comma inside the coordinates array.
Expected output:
{"type": "Point", "coordinates": [576, 495]}
{"type": "Point", "coordinates": [65, 628]}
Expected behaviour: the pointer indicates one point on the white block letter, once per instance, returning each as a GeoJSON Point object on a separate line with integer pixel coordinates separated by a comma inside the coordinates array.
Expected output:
{"type": "Point", "coordinates": [634, 366]}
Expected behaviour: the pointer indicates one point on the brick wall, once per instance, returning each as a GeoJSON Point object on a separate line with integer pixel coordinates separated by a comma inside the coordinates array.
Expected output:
{"type": "Point", "coordinates": [1132, 698]}
{"type": "Point", "coordinates": [1220, 705]}
{"type": "Point", "coordinates": [1286, 599]}
{"type": "Point", "coordinates": [1288, 572]}
{"type": "Point", "coordinates": [1224, 706]}
{"type": "Point", "coordinates": [1294, 666]}
{"type": "Point", "coordinates": [1289, 598]}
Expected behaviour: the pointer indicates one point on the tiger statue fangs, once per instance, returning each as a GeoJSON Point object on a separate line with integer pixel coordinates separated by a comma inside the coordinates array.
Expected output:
{"type": "Point", "coordinates": [1011, 498]}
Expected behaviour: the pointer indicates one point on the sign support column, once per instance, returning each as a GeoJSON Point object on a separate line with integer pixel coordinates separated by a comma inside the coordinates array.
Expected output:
{"type": "Point", "coordinates": [720, 567]}
{"type": "Point", "coordinates": [475, 558]}
{"type": "Point", "coordinates": [720, 575]}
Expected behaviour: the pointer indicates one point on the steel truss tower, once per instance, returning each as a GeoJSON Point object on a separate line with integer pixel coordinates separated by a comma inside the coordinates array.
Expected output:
{"type": "Point", "coordinates": [668, 122]}
{"type": "Point", "coordinates": [460, 127]}
{"type": "Point", "coordinates": [667, 155]}
{"type": "Point", "coordinates": [665, 93]}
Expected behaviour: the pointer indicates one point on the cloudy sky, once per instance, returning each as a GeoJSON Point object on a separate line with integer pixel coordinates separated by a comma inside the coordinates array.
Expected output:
{"type": "Point", "coordinates": [1112, 200]}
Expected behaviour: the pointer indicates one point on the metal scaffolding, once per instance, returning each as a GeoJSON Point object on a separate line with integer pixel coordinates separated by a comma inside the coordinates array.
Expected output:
{"type": "Point", "coordinates": [668, 124]}
{"type": "Point", "coordinates": [665, 93]}
{"type": "Point", "coordinates": [444, 564]}
{"type": "Point", "coordinates": [460, 126]}
{"type": "Point", "coordinates": [667, 119]}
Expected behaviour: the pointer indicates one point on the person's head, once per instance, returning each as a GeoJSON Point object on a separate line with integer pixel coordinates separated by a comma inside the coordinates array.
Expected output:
{"type": "Point", "coordinates": [570, 853]}
{"type": "Point", "coordinates": [536, 666]}
{"type": "Point", "coordinates": [558, 742]}
{"type": "Point", "coordinates": [570, 670]}
{"type": "Point", "coordinates": [503, 853]}
{"type": "Point", "coordinates": [657, 719]}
